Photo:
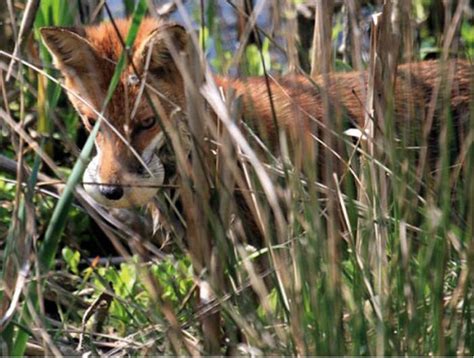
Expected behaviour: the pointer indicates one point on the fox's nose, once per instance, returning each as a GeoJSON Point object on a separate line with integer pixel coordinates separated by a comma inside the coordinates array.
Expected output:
{"type": "Point", "coordinates": [111, 192]}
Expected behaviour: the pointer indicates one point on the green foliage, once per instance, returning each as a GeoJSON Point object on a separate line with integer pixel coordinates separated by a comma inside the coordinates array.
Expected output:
{"type": "Point", "coordinates": [7, 195]}
{"type": "Point", "coordinates": [71, 258]}
{"type": "Point", "coordinates": [127, 283]}
{"type": "Point", "coordinates": [467, 34]}
{"type": "Point", "coordinates": [253, 55]}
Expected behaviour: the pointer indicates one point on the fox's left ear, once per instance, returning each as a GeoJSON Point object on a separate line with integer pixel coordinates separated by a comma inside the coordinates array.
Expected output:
{"type": "Point", "coordinates": [79, 63]}
{"type": "Point", "coordinates": [72, 53]}
{"type": "Point", "coordinates": [161, 42]}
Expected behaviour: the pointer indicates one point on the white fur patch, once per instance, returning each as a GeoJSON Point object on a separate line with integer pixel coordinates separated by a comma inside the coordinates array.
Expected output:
{"type": "Point", "coordinates": [138, 189]}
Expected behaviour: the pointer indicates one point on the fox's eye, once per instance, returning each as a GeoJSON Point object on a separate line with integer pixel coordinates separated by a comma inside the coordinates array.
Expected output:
{"type": "Point", "coordinates": [147, 123]}
{"type": "Point", "coordinates": [89, 121]}
{"type": "Point", "coordinates": [159, 71]}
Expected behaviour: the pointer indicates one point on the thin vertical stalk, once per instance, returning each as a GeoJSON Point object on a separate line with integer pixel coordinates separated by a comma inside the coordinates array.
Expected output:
{"type": "Point", "coordinates": [322, 47]}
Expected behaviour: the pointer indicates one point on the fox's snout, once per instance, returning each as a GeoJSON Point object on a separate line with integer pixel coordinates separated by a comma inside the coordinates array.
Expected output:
{"type": "Point", "coordinates": [111, 192]}
{"type": "Point", "coordinates": [111, 182]}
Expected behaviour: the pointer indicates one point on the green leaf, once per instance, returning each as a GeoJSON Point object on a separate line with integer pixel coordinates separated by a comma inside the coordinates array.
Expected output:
{"type": "Point", "coordinates": [72, 259]}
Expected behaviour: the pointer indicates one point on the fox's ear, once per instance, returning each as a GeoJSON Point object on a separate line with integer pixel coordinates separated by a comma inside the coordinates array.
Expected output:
{"type": "Point", "coordinates": [161, 40]}
{"type": "Point", "coordinates": [79, 63]}
{"type": "Point", "coordinates": [72, 53]}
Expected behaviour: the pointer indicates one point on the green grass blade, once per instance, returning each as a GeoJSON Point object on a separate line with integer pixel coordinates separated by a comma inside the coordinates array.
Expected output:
{"type": "Point", "coordinates": [56, 226]}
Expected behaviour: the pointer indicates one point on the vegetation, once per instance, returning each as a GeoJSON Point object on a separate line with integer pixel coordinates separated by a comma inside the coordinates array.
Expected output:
{"type": "Point", "coordinates": [378, 261]}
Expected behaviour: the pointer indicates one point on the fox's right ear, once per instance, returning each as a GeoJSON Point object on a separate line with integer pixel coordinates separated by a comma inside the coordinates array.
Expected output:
{"type": "Point", "coordinates": [161, 40]}
{"type": "Point", "coordinates": [72, 53]}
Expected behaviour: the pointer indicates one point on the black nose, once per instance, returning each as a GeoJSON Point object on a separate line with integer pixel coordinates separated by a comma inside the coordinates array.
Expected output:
{"type": "Point", "coordinates": [111, 192]}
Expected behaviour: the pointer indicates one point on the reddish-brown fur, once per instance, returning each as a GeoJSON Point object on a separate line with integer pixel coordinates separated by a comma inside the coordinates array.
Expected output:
{"type": "Point", "coordinates": [293, 94]}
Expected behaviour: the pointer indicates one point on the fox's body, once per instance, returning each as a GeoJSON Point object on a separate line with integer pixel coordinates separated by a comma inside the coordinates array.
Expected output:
{"type": "Point", "coordinates": [87, 58]}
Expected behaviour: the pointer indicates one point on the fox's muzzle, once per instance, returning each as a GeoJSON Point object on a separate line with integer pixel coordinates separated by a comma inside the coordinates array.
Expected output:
{"type": "Point", "coordinates": [124, 188]}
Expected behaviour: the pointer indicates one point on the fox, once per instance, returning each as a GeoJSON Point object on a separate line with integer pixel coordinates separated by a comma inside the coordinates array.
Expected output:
{"type": "Point", "coordinates": [127, 171]}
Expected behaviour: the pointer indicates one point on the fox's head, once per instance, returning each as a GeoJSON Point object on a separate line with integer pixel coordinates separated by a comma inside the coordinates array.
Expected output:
{"type": "Point", "coordinates": [125, 171]}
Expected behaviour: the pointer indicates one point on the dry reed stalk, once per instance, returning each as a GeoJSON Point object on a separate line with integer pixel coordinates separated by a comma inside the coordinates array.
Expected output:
{"type": "Point", "coordinates": [291, 33]}
{"type": "Point", "coordinates": [25, 28]}
{"type": "Point", "coordinates": [385, 40]}
{"type": "Point", "coordinates": [195, 193]}
{"type": "Point", "coordinates": [363, 196]}
{"type": "Point", "coordinates": [321, 64]}
{"type": "Point", "coordinates": [321, 54]}
{"type": "Point", "coordinates": [198, 210]}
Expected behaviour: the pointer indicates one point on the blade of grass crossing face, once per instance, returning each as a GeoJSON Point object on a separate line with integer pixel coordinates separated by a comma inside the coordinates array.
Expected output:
{"type": "Point", "coordinates": [56, 226]}
{"type": "Point", "coordinates": [138, 14]}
